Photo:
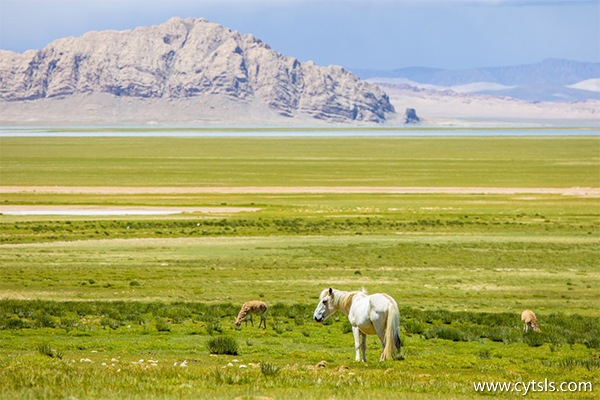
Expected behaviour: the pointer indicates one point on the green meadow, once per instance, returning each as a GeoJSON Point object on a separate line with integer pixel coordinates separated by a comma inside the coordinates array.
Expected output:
{"type": "Point", "coordinates": [354, 161]}
{"type": "Point", "coordinates": [142, 306]}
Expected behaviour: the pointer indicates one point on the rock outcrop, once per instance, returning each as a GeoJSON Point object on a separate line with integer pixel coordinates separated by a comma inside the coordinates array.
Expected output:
{"type": "Point", "coordinates": [411, 117]}
{"type": "Point", "coordinates": [184, 59]}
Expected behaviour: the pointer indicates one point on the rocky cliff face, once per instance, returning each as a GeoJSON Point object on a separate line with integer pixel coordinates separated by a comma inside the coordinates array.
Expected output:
{"type": "Point", "coordinates": [188, 58]}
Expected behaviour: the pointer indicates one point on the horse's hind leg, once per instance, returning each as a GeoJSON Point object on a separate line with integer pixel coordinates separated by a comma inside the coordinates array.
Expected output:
{"type": "Point", "coordinates": [363, 346]}
{"type": "Point", "coordinates": [381, 334]}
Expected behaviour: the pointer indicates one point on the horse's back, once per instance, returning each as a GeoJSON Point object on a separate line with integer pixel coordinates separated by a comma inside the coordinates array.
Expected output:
{"type": "Point", "coordinates": [380, 306]}
{"type": "Point", "coordinates": [367, 310]}
{"type": "Point", "coordinates": [382, 301]}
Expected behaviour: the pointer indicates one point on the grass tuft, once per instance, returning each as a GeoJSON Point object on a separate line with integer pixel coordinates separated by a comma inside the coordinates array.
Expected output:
{"type": "Point", "coordinates": [268, 369]}
{"type": "Point", "coordinates": [223, 345]}
{"type": "Point", "coordinates": [45, 350]}
{"type": "Point", "coordinates": [162, 325]}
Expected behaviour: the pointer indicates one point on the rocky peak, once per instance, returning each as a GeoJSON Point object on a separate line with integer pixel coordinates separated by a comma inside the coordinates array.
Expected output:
{"type": "Point", "coordinates": [411, 117]}
{"type": "Point", "coordinates": [184, 58]}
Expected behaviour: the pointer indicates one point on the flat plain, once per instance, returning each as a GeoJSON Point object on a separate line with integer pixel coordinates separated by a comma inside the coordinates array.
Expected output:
{"type": "Point", "coordinates": [126, 306]}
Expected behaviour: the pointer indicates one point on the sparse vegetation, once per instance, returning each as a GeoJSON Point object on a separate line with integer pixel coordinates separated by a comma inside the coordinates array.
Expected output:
{"type": "Point", "coordinates": [144, 307]}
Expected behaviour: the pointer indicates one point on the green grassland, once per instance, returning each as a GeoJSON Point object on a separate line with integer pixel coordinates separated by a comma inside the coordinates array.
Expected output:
{"type": "Point", "coordinates": [384, 161]}
{"type": "Point", "coordinates": [110, 307]}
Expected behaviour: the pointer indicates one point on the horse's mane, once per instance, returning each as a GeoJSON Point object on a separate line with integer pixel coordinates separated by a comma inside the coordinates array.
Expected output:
{"type": "Point", "coordinates": [346, 301]}
{"type": "Point", "coordinates": [343, 300]}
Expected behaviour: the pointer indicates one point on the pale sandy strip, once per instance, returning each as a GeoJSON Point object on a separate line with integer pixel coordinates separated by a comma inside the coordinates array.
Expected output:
{"type": "Point", "coordinates": [573, 191]}
{"type": "Point", "coordinates": [92, 210]}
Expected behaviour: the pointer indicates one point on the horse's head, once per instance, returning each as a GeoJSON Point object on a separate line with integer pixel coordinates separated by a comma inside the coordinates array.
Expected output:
{"type": "Point", "coordinates": [326, 305]}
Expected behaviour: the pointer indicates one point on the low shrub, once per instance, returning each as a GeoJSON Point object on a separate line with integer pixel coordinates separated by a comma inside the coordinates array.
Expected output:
{"type": "Point", "coordinates": [412, 327]}
{"type": "Point", "coordinates": [268, 369]}
{"type": "Point", "coordinates": [45, 350]}
{"type": "Point", "coordinates": [223, 345]}
{"type": "Point", "coordinates": [162, 325]}
{"type": "Point", "coordinates": [278, 329]}
{"type": "Point", "coordinates": [573, 362]}
{"type": "Point", "coordinates": [346, 327]}
{"type": "Point", "coordinates": [535, 339]}
{"type": "Point", "coordinates": [45, 321]}
{"type": "Point", "coordinates": [14, 323]}
{"type": "Point", "coordinates": [213, 327]}
{"type": "Point", "coordinates": [447, 333]}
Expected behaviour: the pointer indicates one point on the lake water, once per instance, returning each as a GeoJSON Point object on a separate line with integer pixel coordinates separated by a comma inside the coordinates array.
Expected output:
{"type": "Point", "coordinates": [140, 131]}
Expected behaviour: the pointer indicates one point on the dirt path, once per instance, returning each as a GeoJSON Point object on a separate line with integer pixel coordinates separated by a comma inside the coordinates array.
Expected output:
{"type": "Point", "coordinates": [573, 191]}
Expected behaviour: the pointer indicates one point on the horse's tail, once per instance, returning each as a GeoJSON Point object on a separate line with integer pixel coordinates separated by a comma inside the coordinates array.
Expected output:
{"type": "Point", "coordinates": [392, 334]}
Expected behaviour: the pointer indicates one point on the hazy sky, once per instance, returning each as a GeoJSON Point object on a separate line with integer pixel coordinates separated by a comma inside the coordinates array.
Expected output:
{"type": "Point", "coordinates": [379, 34]}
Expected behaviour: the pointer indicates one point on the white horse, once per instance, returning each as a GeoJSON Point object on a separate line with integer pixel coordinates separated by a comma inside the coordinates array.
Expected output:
{"type": "Point", "coordinates": [376, 314]}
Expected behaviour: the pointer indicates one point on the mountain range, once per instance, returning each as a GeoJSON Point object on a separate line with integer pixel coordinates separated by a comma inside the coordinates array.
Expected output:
{"type": "Point", "coordinates": [182, 71]}
{"type": "Point", "coordinates": [194, 72]}
{"type": "Point", "coordinates": [549, 80]}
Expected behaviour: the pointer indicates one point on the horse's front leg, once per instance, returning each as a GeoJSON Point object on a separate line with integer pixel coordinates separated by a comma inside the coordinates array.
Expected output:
{"type": "Point", "coordinates": [357, 342]}
{"type": "Point", "coordinates": [360, 344]}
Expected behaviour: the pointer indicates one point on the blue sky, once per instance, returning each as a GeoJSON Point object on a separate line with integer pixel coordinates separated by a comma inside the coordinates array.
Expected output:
{"type": "Point", "coordinates": [376, 34]}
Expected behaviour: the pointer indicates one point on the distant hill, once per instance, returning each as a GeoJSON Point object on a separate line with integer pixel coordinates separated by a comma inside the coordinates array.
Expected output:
{"type": "Point", "coordinates": [182, 71]}
{"type": "Point", "coordinates": [549, 80]}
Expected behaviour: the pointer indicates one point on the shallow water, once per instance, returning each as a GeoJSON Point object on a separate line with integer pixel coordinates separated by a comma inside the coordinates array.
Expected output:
{"type": "Point", "coordinates": [142, 131]}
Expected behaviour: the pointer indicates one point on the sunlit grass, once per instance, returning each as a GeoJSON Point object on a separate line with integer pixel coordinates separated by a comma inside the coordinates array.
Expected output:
{"type": "Point", "coordinates": [122, 362]}
{"type": "Point", "coordinates": [382, 161]}
{"type": "Point", "coordinates": [127, 307]}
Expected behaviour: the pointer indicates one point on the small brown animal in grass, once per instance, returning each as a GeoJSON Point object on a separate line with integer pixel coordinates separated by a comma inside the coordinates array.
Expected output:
{"type": "Point", "coordinates": [530, 321]}
{"type": "Point", "coordinates": [251, 308]}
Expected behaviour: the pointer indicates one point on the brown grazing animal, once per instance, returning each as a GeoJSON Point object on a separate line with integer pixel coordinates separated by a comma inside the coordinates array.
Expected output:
{"type": "Point", "coordinates": [530, 321]}
{"type": "Point", "coordinates": [250, 308]}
